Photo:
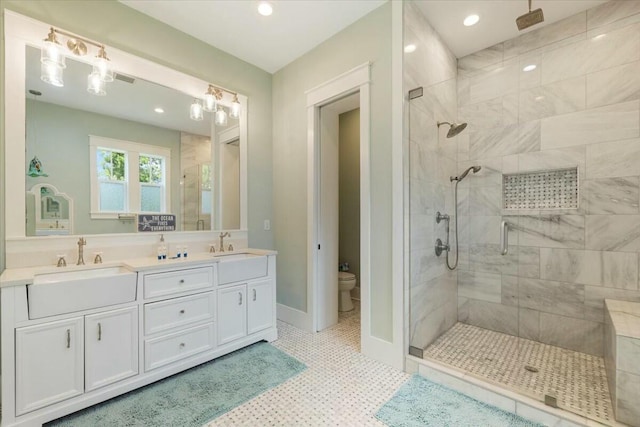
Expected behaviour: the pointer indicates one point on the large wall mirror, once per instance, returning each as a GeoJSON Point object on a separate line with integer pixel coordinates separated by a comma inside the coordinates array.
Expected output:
{"type": "Point", "coordinates": [135, 149]}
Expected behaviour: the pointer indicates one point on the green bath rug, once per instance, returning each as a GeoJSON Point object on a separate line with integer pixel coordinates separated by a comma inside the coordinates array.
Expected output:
{"type": "Point", "coordinates": [422, 403]}
{"type": "Point", "coordinates": [196, 396]}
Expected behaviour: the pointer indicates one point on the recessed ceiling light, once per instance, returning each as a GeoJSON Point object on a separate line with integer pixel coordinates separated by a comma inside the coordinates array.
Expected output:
{"type": "Point", "coordinates": [158, 110]}
{"type": "Point", "coordinates": [265, 9]}
{"type": "Point", "coordinates": [410, 48]}
{"type": "Point", "coordinates": [599, 36]}
{"type": "Point", "coordinates": [471, 20]}
{"type": "Point", "coordinates": [529, 67]}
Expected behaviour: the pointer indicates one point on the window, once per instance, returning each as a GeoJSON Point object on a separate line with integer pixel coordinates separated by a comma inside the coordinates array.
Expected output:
{"type": "Point", "coordinates": [128, 177]}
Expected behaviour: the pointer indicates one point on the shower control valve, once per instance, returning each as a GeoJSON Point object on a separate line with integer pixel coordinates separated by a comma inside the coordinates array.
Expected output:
{"type": "Point", "coordinates": [441, 217]}
{"type": "Point", "coordinates": [441, 247]}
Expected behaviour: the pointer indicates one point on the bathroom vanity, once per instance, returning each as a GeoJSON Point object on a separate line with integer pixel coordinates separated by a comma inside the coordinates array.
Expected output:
{"type": "Point", "coordinates": [76, 336]}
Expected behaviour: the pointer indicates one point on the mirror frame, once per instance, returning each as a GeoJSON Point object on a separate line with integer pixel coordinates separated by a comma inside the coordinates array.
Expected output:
{"type": "Point", "coordinates": [22, 31]}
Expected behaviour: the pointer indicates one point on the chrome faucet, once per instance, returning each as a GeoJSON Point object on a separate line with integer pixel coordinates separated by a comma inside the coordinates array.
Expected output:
{"type": "Point", "coordinates": [222, 236]}
{"type": "Point", "coordinates": [81, 244]}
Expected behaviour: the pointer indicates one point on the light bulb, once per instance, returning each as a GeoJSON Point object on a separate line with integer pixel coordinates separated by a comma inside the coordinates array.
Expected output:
{"type": "Point", "coordinates": [234, 111]}
{"type": "Point", "coordinates": [52, 74]}
{"type": "Point", "coordinates": [51, 52]}
{"type": "Point", "coordinates": [95, 84]}
{"type": "Point", "coordinates": [221, 117]}
{"type": "Point", "coordinates": [196, 111]}
{"type": "Point", "coordinates": [210, 102]}
{"type": "Point", "coordinates": [103, 68]}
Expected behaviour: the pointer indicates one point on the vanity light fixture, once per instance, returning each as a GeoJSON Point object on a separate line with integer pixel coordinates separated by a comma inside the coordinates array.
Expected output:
{"type": "Point", "coordinates": [234, 111]}
{"type": "Point", "coordinates": [196, 111]}
{"type": "Point", "coordinates": [471, 20]}
{"type": "Point", "coordinates": [53, 61]}
{"type": "Point", "coordinates": [212, 104]}
{"type": "Point", "coordinates": [265, 9]}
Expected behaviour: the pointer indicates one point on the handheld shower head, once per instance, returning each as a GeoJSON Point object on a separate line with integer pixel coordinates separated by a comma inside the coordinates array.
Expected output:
{"type": "Point", "coordinates": [464, 174]}
{"type": "Point", "coordinates": [454, 128]}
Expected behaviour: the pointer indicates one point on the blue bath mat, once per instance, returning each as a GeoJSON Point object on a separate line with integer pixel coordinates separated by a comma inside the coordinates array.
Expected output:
{"type": "Point", "coordinates": [422, 403]}
{"type": "Point", "coordinates": [196, 396]}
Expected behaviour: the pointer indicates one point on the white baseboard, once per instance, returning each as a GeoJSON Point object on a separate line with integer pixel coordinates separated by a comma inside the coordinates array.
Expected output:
{"type": "Point", "coordinates": [295, 317]}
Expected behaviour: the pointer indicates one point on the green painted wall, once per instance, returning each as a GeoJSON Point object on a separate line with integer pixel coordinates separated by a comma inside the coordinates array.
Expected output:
{"type": "Point", "coordinates": [63, 148]}
{"type": "Point", "coordinates": [119, 26]}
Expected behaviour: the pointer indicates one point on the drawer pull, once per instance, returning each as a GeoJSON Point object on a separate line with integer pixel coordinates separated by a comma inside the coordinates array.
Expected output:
{"type": "Point", "coordinates": [181, 281]}
{"type": "Point", "coordinates": [99, 331]}
{"type": "Point", "coordinates": [68, 338]}
{"type": "Point", "coordinates": [182, 345]}
{"type": "Point", "coordinates": [239, 298]}
{"type": "Point", "coordinates": [182, 311]}
{"type": "Point", "coordinates": [254, 294]}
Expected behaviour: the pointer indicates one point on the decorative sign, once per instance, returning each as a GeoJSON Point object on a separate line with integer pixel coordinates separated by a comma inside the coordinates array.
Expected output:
{"type": "Point", "coordinates": [156, 222]}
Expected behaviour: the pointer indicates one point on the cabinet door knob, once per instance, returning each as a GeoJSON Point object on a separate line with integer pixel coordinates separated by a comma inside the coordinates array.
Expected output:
{"type": "Point", "coordinates": [68, 338]}
{"type": "Point", "coordinates": [99, 331]}
{"type": "Point", "coordinates": [239, 298]}
{"type": "Point", "coordinates": [254, 294]}
{"type": "Point", "coordinates": [182, 311]}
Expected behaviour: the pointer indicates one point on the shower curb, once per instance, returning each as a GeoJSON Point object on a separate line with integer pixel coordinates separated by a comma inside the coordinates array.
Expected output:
{"type": "Point", "coordinates": [498, 396]}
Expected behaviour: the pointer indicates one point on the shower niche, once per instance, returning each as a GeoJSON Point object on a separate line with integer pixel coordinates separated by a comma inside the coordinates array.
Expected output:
{"type": "Point", "coordinates": [541, 190]}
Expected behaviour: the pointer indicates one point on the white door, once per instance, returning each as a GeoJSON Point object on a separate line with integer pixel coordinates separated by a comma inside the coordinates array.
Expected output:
{"type": "Point", "coordinates": [111, 347]}
{"type": "Point", "coordinates": [49, 364]}
{"type": "Point", "coordinates": [232, 313]}
{"type": "Point", "coordinates": [327, 285]}
{"type": "Point", "coordinates": [260, 306]}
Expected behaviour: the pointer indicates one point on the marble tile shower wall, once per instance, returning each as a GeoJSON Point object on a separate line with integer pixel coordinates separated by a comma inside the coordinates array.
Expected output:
{"type": "Point", "coordinates": [430, 159]}
{"type": "Point", "coordinates": [579, 107]}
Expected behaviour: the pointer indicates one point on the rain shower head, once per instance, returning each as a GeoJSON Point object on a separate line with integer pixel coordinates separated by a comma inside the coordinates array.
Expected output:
{"type": "Point", "coordinates": [454, 128]}
{"type": "Point", "coordinates": [464, 174]}
{"type": "Point", "coordinates": [529, 19]}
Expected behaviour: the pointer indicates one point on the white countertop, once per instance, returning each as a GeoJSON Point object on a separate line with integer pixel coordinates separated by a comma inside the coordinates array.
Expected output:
{"type": "Point", "coordinates": [24, 276]}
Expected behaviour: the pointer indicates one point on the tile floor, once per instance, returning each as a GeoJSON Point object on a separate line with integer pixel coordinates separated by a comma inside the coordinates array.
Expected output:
{"type": "Point", "coordinates": [341, 387]}
{"type": "Point", "coordinates": [578, 380]}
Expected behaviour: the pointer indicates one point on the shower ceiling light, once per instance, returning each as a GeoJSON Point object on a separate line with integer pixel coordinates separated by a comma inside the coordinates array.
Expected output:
{"type": "Point", "coordinates": [159, 110]}
{"type": "Point", "coordinates": [265, 9]}
{"type": "Point", "coordinates": [530, 67]}
{"type": "Point", "coordinates": [471, 20]}
{"type": "Point", "coordinates": [410, 48]}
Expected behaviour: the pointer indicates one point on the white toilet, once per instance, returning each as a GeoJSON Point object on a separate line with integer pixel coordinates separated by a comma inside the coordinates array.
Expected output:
{"type": "Point", "coordinates": [346, 282]}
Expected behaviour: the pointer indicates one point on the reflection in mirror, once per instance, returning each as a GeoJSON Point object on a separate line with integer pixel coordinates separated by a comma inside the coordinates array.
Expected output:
{"type": "Point", "coordinates": [133, 150]}
{"type": "Point", "coordinates": [49, 212]}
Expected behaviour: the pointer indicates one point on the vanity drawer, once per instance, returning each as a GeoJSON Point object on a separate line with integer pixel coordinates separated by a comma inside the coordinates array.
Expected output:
{"type": "Point", "coordinates": [173, 282]}
{"type": "Point", "coordinates": [177, 346]}
{"type": "Point", "coordinates": [177, 312]}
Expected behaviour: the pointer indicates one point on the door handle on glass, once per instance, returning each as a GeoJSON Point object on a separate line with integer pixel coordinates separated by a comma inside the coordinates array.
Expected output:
{"type": "Point", "coordinates": [504, 237]}
{"type": "Point", "coordinates": [239, 298]}
{"type": "Point", "coordinates": [254, 294]}
{"type": "Point", "coordinates": [99, 331]}
{"type": "Point", "coordinates": [68, 338]}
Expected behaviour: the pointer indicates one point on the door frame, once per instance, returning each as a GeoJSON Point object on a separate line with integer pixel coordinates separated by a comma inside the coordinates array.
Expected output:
{"type": "Point", "coordinates": [357, 80]}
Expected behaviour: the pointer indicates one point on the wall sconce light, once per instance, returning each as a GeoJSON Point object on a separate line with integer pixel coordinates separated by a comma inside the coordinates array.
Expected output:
{"type": "Point", "coordinates": [196, 110]}
{"type": "Point", "coordinates": [212, 104]}
{"type": "Point", "coordinates": [52, 58]}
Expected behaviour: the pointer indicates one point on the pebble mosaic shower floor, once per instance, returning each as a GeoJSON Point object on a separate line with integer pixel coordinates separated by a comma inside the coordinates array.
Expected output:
{"type": "Point", "coordinates": [577, 380]}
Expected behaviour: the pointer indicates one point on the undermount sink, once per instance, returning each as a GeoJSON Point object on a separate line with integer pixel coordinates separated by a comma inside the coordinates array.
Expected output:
{"type": "Point", "coordinates": [63, 292]}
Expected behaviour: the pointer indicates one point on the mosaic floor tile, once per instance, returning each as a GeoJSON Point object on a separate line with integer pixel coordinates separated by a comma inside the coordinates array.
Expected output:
{"type": "Point", "coordinates": [577, 380]}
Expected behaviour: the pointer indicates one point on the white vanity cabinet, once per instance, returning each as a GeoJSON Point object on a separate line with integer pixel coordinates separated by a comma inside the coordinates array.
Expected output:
{"type": "Point", "coordinates": [111, 347]}
{"type": "Point", "coordinates": [49, 363]}
{"type": "Point", "coordinates": [245, 309]}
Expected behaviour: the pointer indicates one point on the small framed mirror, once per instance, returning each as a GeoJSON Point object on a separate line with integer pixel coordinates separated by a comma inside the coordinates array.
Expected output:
{"type": "Point", "coordinates": [49, 211]}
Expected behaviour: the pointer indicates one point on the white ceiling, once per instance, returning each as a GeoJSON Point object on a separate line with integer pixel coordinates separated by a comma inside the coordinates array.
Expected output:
{"type": "Point", "coordinates": [294, 28]}
{"type": "Point", "coordinates": [497, 19]}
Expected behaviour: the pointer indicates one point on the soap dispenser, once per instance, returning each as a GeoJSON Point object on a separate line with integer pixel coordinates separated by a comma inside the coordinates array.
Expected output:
{"type": "Point", "coordinates": [162, 248]}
